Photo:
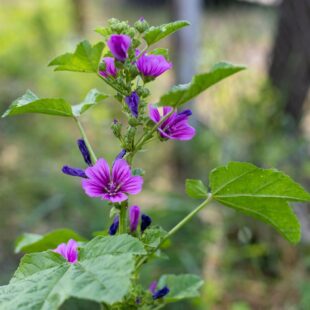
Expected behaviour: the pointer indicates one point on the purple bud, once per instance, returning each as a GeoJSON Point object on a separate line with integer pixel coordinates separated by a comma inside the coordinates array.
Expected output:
{"type": "Point", "coordinates": [114, 227]}
{"type": "Point", "coordinates": [133, 103]}
{"type": "Point", "coordinates": [110, 69]}
{"type": "Point", "coordinates": [75, 172]}
{"type": "Point", "coordinates": [153, 65]}
{"type": "Point", "coordinates": [152, 287]}
{"type": "Point", "coordinates": [119, 45]}
{"type": "Point", "coordinates": [145, 222]}
{"type": "Point", "coordinates": [134, 214]}
{"type": "Point", "coordinates": [141, 19]}
{"type": "Point", "coordinates": [84, 151]}
{"type": "Point", "coordinates": [161, 293]}
{"type": "Point", "coordinates": [121, 154]}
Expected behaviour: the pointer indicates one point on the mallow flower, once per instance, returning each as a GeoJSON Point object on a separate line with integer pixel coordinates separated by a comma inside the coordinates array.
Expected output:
{"type": "Point", "coordinates": [175, 126]}
{"type": "Point", "coordinates": [110, 69]}
{"type": "Point", "coordinates": [133, 103]}
{"type": "Point", "coordinates": [68, 251]}
{"type": "Point", "coordinates": [78, 172]}
{"type": "Point", "coordinates": [119, 45]}
{"type": "Point", "coordinates": [113, 185]}
{"type": "Point", "coordinates": [134, 215]}
{"type": "Point", "coordinates": [152, 65]}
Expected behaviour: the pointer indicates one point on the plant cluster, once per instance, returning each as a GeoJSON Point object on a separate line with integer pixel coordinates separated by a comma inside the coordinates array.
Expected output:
{"type": "Point", "coordinates": [62, 264]}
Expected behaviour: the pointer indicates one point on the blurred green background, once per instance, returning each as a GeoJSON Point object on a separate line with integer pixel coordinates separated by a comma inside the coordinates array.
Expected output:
{"type": "Point", "coordinates": [261, 115]}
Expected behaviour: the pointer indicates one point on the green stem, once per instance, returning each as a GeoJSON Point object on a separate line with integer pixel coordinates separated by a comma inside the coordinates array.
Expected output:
{"type": "Point", "coordinates": [113, 86]}
{"type": "Point", "coordinates": [123, 219]}
{"type": "Point", "coordinates": [91, 152]}
{"type": "Point", "coordinates": [176, 228]}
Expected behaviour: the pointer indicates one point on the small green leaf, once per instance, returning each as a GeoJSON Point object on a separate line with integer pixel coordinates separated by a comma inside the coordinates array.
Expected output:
{"type": "Point", "coordinates": [161, 51]}
{"type": "Point", "coordinates": [29, 243]}
{"type": "Point", "coordinates": [180, 94]}
{"type": "Point", "coordinates": [92, 98]}
{"type": "Point", "coordinates": [153, 236]}
{"type": "Point", "coordinates": [196, 189]}
{"type": "Point", "coordinates": [180, 286]}
{"type": "Point", "coordinates": [102, 274]}
{"type": "Point", "coordinates": [261, 193]}
{"type": "Point", "coordinates": [155, 34]}
{"type": "Point", "coordinates": [30, 103]}
{"type": "Point", "coordinates": [85, 58]}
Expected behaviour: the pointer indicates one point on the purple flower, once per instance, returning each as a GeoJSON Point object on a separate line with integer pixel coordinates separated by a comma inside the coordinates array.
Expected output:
{"type": "Point", "coordinates": [120, 155]}
{"type": "Point", "coordinates": [153, 65]}
{"type": "Point", "coordinates": [68, 250]}
{"type": "Point", "coordinates": [112, 185]}
{"type": "Point", "coordinates": [133, 103]}
{"type": "Point", "coordinates": [75, 172]}
{"type": "Point", "coordinates": [119, 45]}
{"type": "Point", "coordinates": [110, 69]}
{"type": "Point", "coordinates": [114, 227]}
{"type": "Point", "coordinates": [175, 126]}
{"type": "Point", "coordinates": [161, 293]}
{"type": "Point", "coordinates": [145, 222]}
{"type": "Point", "coordinates": [84, 151]}
{"type": "Point", "coordinates": [134, 215]}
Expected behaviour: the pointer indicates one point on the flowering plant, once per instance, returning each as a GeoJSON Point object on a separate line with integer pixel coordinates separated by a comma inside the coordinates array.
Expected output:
{"type": "Point", "coordinates": [105, 270]}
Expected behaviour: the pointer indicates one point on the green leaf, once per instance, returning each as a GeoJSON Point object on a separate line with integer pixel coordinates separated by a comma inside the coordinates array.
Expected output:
{"type": "Point", "coordinates": [92, 98]}
{"type": "Point", "coordinates": [85, 58]}
{"type": "Point", "coordinates": [102, 274]}
{"type": "Point", "coordinates": [153, 236]}
{"type": "Point", "coordinates": [180, 286]}
{"type": "Point", "coordinates": [30, 103]}
{"type": "Point", "coordinates": [180, 94]}
{"type": "Point", "coordinates": [261, 193]}
{"type": "Point", "coordinates": [196, 189]}
{"type": "Point", "coordinates": [29, 243]}
{"type": "Point", "coordinates": [161, 51]}
{"type": "Point", "coordinates": [155, 34]}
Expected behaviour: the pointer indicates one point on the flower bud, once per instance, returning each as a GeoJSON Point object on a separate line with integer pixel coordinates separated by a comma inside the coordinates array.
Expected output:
{"type": "Point", "coordinates": [117, 129]}
{"type": "Point", "coordinates": [133, 103]}
{"type": "Point", "coordinates": [74, 172]}
{"type": "Point", "coordinates": [84, 151]}
{"type": "Point", "coordinates": [141, 25]}
{"type": "Point", "coordinates": [114, 227]}
{"type": "Point", "coordinates": [134, 215]}
{"type": "Point", "coordinates": [161, 293]}
{"type": "Point", "coordinates": [145, 222]}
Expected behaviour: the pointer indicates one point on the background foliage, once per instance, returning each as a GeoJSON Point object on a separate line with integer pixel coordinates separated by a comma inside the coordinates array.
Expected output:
{"type": "Point", "coordinates": [241, 119]}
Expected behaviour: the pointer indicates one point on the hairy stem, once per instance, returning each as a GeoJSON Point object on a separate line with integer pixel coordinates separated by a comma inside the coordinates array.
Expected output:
{"type": "Point", "coordinates": [91, 152]}
{"type": "Point", "coordinates": [123, 219]}
{"type": "Point", "coordinates": [113, 86]}
{"type": "Point", "coordinates": [175, 229]}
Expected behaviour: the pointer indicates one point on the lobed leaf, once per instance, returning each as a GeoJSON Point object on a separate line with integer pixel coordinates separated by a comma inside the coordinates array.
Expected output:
{"type": "Point", "coordinates": [196, 189]}
{"type": "Point", "coordinates": [261, 193]}
{"type": "Point", "coordinates": [85, 58]}
{"type": "Point", "coordinates": [31, 103]}
{"type": "Point", "coordinates": [102, 274]}
{"type": "Point", "coordinates": [29, 243]}
{"type": "Point", "coordinates": [181, 286]}
{"type": "Point", "coordinates": [180, 94]}
{"type": "Point", "coordinates": [155, 34]}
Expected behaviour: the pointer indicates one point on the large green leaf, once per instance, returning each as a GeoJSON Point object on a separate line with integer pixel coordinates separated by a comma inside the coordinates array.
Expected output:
{"type": "Point", "coordinates": [180, 286]}
{"type": "Point", "coordinates": [29, 243]}
{"type": "Point", "coordinates": [31, 103]}
{"type": "Point", "coordinates": [85, 58]}
{"type": "Point", "coordinates": [183, 93]}
{"type": "Point", "coordinates": [45, 280]}
{"type": "Point", "coordinates": [155, 34]}
{"type": "Point", "coordinates": [196, 189]}
{"type": "Point", "coordinates": [261, 193]}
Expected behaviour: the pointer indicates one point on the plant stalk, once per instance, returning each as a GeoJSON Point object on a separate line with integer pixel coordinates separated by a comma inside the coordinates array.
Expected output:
{"type": "Point", "coordinates": [123, 219]}
{"type": "Point", "coordinates": [83, 133]}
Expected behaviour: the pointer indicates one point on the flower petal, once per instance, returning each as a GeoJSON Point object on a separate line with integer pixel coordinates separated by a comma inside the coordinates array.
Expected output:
{"type": "Point", "coordinates": [120, 171]}
{"type": "Point", "coordinates": [99, 172]}
{"type": "Point", "coordinates": [154, 114]}
{"type": "Point", "coordinates": [132, 185]}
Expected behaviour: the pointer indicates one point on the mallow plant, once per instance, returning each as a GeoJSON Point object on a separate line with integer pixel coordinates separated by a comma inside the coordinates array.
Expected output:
{"type": "Point", "coordinates": [105, 270]}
